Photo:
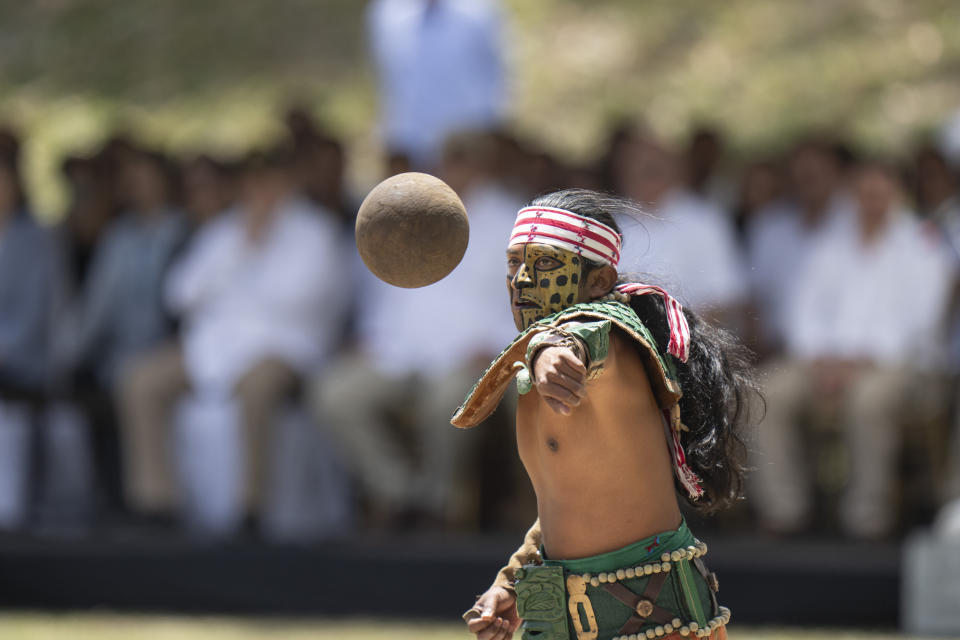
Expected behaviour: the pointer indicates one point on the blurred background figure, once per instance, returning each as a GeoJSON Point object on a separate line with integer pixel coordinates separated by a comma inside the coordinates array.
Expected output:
{"type": "Point", "coordinates": [440, 70]}
{"type": "Point", "coordinates": [209, 189]}
{"type": "Point", "coordinates": [91, 208]}
{"type": "Point", "coordinates": [260, 292]}
{"type": "Point", "coordinates": [781, 235]}
{"type": "Point", "coordinates": [122, 313]}
{"type": "Point", "coordinates": [704, 165]}
{"type": "Point", "coordinates": [761, 184]}
{"type": "Point", "coordinates": [418, 351]}
{"type": "Point", "coordinates": [863, 330]}
{"type": "Point", "coordinates": [686, 244]}
{"type": "Point", "coordinates": [32, 286]}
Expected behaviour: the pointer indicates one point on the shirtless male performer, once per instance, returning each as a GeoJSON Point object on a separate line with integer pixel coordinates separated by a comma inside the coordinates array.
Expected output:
{"type": "Point", "coordinates": [608, 438]}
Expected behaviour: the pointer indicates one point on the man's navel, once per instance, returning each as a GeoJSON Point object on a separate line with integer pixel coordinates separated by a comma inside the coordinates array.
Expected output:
{"type": "Point", "coordinates": [552, 444]}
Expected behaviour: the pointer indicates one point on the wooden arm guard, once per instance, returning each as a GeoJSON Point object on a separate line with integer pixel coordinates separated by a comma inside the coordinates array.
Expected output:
{"type": "Point", "coordinates": [528, 553]}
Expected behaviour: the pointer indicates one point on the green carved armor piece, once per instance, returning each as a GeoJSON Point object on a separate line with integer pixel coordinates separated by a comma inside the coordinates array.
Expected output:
{"type": "Point", "coordinates": [542, 603]}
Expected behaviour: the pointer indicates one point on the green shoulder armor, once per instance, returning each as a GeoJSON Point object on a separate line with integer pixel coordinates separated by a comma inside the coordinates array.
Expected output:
{"type": "Point", "coordinates": [486, 393]}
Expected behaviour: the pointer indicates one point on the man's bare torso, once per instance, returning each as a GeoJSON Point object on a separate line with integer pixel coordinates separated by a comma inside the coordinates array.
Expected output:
{"type": "Point", "coordinates": [603, 474]}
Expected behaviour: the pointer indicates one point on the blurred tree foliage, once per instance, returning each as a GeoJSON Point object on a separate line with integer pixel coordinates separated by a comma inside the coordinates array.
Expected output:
{"type": "Point", "coordinates": [189, 75]}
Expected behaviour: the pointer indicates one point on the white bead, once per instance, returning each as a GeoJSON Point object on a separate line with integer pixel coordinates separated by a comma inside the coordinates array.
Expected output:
{"type": "Point", "coordinates": [667, 628]}
{"type": "Point", "coordinates": [631, 572]}
{"type": "Point", "coordinates": [653, 568]}
{"type": "Point", "coordinates": [621, 574]}
{"type": "Point", "coordinates": [665, 566]}
{"type": "Point", "coordinates": [595, 581]}
{"type": "Point", "coordinates": [676, 622]}
{"type": "Point", "coordinates": [658, 631]}
{"type": "Point", "coordinates": [586, 577]}
{"type": "Point", "coordinates": [694, 626]}
{"type": "Point", "coordinates": [675, 556]}
{"type": "Point", "coordinates": [650, 633]}
{"type": "Point", "coordinates": [684, 631]}
{"type": "Point", "coordinates": [603, 577]}
{"type": "Point", "coordinates": [692, 551]}
{"type": "Point", "coordinates": [664, 557]}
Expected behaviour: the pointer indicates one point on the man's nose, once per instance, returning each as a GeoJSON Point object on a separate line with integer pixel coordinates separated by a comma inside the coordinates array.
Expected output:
{"type": "Point", "coordinates": [523, 279]}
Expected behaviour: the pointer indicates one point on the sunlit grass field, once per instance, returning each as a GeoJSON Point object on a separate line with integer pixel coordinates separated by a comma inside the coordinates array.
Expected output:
{"type": "Point", "coordinates": [108, 626]}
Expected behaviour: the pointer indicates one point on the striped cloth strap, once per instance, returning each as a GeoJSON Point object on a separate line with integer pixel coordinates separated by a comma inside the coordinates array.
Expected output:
{"type": "Point", "coordinates": [679, 345]}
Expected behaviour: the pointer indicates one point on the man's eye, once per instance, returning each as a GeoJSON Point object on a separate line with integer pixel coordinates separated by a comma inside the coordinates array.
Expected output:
{"type": "Point", "coordinates": [545, 263]}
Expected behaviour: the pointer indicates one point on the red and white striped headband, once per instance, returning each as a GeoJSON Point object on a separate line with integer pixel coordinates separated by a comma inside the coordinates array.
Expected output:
{"type": "Point", "coordinates": [567, 230]}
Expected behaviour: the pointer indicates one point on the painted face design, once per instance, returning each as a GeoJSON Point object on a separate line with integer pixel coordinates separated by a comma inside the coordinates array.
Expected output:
{"type": "Point", "coordinates": [542, 281]}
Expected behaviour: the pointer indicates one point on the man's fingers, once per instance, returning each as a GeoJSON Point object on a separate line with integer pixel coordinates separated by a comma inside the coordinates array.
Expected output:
{"type": "Point", "coordinates": [572, 385]}
{"type": "Point", "coordinates": [558, 407]}
{"type": "Point", "coordinates": [573, 381]}
{"type": "Point", "coordinates": [561, 393]}
{"type": "Point", "coordinates": [479, 624]}
{"type": "Point", "coordinates": [503, 631]}
{"type": "Point", "coordinates": [495, 631]}
{"type": "Point", "coordinates": [574, 369]}
{"type": "Point", "coordinates": [568, 358]}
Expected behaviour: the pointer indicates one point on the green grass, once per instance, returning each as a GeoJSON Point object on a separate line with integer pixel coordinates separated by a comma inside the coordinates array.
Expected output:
{"type": "Point", "coordinates": [110, 626]}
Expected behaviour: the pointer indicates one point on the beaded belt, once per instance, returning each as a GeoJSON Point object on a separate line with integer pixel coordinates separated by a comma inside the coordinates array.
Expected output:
{"type": "Point", "coordinates": [540, 591]}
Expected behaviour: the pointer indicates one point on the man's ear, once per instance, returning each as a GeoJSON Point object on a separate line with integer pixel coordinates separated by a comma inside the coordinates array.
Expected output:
{"type": "Point", "coordinates": [600, 281]}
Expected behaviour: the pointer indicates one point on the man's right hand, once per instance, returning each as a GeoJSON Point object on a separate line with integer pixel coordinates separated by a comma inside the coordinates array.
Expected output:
{"type": "Point", "coordinates": [498, 615]}
{"type": "Point", "coordinates": [560, 378]}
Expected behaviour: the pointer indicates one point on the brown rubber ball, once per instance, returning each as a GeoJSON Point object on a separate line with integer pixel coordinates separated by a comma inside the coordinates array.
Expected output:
{"type": "Point", "coordinates": [412, 230]}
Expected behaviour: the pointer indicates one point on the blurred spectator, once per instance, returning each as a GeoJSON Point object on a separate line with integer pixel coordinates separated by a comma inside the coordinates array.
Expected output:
{"type": "Point", "coordinates": [31, 286]}
{"type": "Point", "coordinates": [937, 198]}
{"type": "Point", "coordinates": [440, 71]}
{"type": "Point", "coordinates": [621, 133]}
{"type": "Point", "coordinates": [936, 188]}
{"type": "Point", "coordinates": [703, 167]}
{"type": "Point", "coordinates": [260, 291]}
{"type": "Point", "coordinates": [761, 185]}
{"type": "Point", "coordinates": [121, 312]}
{"type": "Point", "coordinates": [780, 236]}
{"type": "Point", "coordinates": [687, 245]}
{"type": "Point", "coordinates": [320, 165]}
{"type": "Point", "coordinates": [31, 292]}
{"type": "Point", "coordinates": [936, 195]}
{"type": "Point", "coordinates": [863, 324]}
{"type": "Point", "coordinates": [93, 206]}
{"type": "Point", "coordinates": [209, 188]}
{"type": "Point", "coordinates": [420, 351]}
{"type": "Point", "coordinates": [300, 124]}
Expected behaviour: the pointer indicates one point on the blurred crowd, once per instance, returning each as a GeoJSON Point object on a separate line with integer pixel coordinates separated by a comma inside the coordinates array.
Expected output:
{"type": "Point", "coordinates": [197, 345]}
{"type": "Point", "coordinates": [197, 342]}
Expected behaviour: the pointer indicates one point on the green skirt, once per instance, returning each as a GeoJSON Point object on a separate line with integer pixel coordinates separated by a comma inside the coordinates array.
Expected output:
{"type": "Point", "coordinates": [656, 584]}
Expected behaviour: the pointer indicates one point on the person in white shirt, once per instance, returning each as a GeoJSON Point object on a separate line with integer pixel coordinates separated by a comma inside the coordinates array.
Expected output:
{"type": "Point", "coordinates": [418, 350]}
{"type": "Point", "coordinates": [865, 321]}
{"type": "Point", "coordinates": [440, 69]}
{"type": "Point", "coordinates": [260, 294]}
{"type": "Point", "coordinates": [780, 237]}
{"type": "Point", "coordinates": [687, 245]}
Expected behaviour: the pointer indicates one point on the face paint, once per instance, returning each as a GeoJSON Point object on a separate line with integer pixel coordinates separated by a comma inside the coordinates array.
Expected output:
{"type": "Point", "coordinates": [542, 280]}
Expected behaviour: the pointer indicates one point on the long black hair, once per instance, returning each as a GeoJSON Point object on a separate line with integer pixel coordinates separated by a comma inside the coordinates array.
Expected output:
{"type": "Point", "coordinates": [717, 379]}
